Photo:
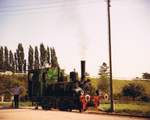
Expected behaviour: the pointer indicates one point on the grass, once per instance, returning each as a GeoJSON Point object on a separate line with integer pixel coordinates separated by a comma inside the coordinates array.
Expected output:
{"type": "Point", "coordinates": [119, 84]}
{"type": "Point", "coordinates": [133, 108]}
{"type": "Point", "coordinates": [21, 104]}
{"type": "Point", "coordinates": [5, 104]}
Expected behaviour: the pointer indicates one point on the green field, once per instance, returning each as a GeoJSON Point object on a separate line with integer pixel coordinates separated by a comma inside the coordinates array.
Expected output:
{"type": "Point", "coordinates": [21, 104]}
{"type": "Point", "coordinates": [119, 84]}
{"type": "Point", "coordinates": [132, 108]}
{"type": "Point", "coordinates": [136, 108]}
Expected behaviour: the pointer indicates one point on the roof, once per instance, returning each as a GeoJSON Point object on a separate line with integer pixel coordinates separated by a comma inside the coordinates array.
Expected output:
{"type": "Point", "coordinates": [4, 92]}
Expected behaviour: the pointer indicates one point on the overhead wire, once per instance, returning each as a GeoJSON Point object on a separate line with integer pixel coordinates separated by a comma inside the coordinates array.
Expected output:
{"type": "Point", "coordinates": [37, 6]}
{"type": "Point", "coordinates": [56, 4]}
{"type": "Point", "coordinates": [49, 2]}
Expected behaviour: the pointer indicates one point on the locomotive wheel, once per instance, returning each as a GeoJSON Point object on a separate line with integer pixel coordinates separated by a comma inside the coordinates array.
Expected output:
{"type": "Point", "coordinates": [43, 107]}
{"type": "Point", "coordinates": [46, 107]}
{"type": "Point", "coordinates": [63, 109]}
{"type": "Point", "coordinates": [80, 110]}
{"type": "Point", "coordinates": [70, 110]}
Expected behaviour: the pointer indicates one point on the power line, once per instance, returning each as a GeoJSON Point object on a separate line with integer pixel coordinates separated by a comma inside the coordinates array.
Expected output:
{"type": "Point", "coordinates": [39, 6]}
{"type": "Point", "coordinates": [27, 10]}
{"type": "Point", "coordinates": [57, 4]}
{"type": "Point", "coordinates": [39, 3]}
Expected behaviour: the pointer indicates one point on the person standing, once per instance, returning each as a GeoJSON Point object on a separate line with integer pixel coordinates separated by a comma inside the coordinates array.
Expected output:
{"type": "Point", "coordinates": [97, 99]}
{"type": "Point", "coordinates": [16, 92]}
{"type": "Point", "coordinates": [83, 101]}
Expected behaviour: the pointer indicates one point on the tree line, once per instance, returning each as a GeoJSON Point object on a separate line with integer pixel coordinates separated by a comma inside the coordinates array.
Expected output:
{"type": "Point", "coordinates": [37, 58]}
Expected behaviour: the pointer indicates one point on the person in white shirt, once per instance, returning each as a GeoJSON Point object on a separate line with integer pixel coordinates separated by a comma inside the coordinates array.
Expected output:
{"type": "Point", "coordinates": [16, 92]}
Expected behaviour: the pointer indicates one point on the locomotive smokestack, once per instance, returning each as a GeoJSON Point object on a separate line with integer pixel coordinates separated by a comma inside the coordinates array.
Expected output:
{"type": "Point", "coordinates": [82, 70]}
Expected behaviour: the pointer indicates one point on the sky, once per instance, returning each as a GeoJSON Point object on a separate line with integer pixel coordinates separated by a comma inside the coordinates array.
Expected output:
{"type": "Point", "coordinates": [77, 29]}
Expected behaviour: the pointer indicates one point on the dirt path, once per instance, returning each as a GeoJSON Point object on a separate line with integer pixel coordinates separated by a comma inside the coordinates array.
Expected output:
{"type": "Point", "coordinates": [29, 114]}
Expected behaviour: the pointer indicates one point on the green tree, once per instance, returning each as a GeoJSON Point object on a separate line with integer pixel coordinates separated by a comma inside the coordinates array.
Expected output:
{"type": "Point", "coordinates": [48, 55]}
{"type": "Point", "coordinates": [24, 66]}
{"type": "Point", "coordinates": [11, 61]}
{"type": "Point", "coordinates": [146, 75]}
{"type": "Point", "coordinates": [1, 59]}
{"type": "Point", "coordinates": [36, 56]}
{"type": "Point", "coordinates": [133, 90]}
{"type": "Point", "coordinates": [30, 58]}
{"type": "Point", "coordinates": [103, 83]}
{"type": "Point", "coordinates": [8, 82]}
{"type": "Point", "coordinates": [13, 65]}
{"type": "Point", "coordinates": [42, 54]}
{"type": "Point", "coordinates": [6, 65]}
{"type": "Point", "coordinates": [16, 62]}
{"type": "Point", "coordinates": [20, 55]}
{"type": "Point", "coordinates": [54, 61]}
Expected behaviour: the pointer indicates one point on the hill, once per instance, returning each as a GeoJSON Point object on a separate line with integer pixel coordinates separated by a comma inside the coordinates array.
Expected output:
{"type": "Point", "coordinates": [119, 84]}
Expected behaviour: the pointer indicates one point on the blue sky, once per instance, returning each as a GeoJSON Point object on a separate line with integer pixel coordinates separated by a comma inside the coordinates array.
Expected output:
{"type": "Point", "coordinates": [78, 30]}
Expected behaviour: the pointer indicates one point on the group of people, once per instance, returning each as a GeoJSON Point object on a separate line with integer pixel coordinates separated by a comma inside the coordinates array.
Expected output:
{"type": "Point", "coordinates": [86, 100]}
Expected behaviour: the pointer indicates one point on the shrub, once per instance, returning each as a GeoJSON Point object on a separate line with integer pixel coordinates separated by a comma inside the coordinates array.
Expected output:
{"type": "Point", "coordinates": [145, 98]}
{"type": "Point", "coordinates": [117, 96]}
{"type": "Point", "coordinates": [133, 90]}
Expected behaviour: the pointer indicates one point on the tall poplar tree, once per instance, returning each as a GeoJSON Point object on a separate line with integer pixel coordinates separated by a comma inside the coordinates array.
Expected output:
{"type": "Point", "coordinates": [20, 55]}
{"type": "Point", "coordinates": [24, 66]}
{"type": "Point", "coordinates": [6, 65]}
{"type": "Point", "coordinates": [30, 58]}
{"type": "Point", "coordinates": [16, 62]}
{"type": "Point", "coordinates": [48, 55]}
{"type": "Point", "coordinates": [11, 61]}
{"type": "Point", "coordinates": [36, 60]}
{"type": "Point", "coordinates": [54, 62]}
{"type": "Point", "coordinates": [42, 54]}
{"type": "Point", "coordinates": [1, 59]}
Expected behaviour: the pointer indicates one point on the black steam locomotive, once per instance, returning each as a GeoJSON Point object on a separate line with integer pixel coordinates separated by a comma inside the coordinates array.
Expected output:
{"type": "Point", "coordinates": [49, 88]}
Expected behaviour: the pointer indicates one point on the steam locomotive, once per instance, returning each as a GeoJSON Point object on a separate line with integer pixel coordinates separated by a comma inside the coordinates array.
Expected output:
{"type": "Point", "coordinates": [49, 88]}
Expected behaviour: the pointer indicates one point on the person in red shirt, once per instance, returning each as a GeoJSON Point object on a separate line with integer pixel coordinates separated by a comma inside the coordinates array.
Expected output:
{"type": "Point", "coordinates": [96, 100]}
{"type": "Point", "coordinates": [83, 101]}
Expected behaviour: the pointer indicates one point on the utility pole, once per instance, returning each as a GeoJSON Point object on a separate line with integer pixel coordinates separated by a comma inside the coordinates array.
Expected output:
{"type": "Point", "coordinates": [110, 57]}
